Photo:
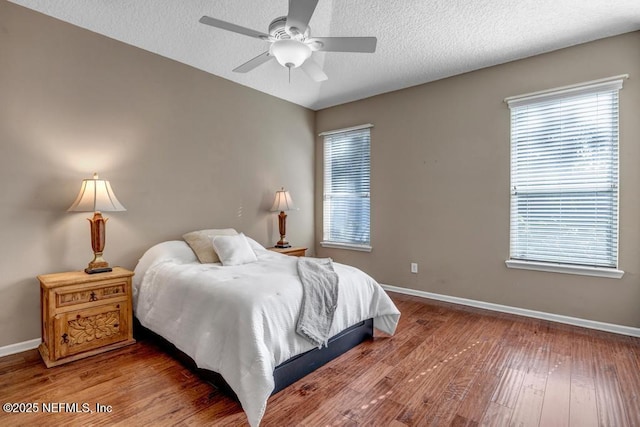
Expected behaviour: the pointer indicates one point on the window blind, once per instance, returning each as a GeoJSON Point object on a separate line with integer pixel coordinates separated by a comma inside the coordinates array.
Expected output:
{"type": "Point", "coordinates": [564, 176]}
{"type": "Point", "coordinates": [346, 197]}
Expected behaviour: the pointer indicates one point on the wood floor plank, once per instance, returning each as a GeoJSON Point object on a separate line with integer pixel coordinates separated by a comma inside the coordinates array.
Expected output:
{"type": "Point", "coordinates": [508, 389]}
{"type": "Point", "coordinates": [627, 363]}
{"type": "Point", "coordinates": [611, 404]}
{"type": "Point", "coordinates": [446, 366]}
{"type": "Point", "coordinates": [341, 404]}
{"type": "Point", "coordinates": [583, 407]}
{"type": "Point", "coordinates": [370, 378]}
{"type": "Point", "coordinates": [301, 399]}
{"type": "Point", "coordinates": [428, 397]}
{"type": "Point", "coordinates": [475, 403]}
{"type": "Point", "coordinates": [557, 393]}
{"type": "Point", "coordinates": [583, 410]}
{"type": "Point", "coordinates": [484, 383]}
{"type": "Point", "coordinates": [496, 415]}
{"type": "Point", "coordinates": [528, 407]}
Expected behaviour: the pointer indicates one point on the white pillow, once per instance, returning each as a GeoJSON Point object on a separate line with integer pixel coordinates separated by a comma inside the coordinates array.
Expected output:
{"type": "Point", "coordinates": [200, 242]}
{"type": "Point", "coordinates": [233, 250]}
{"type": "Point", "coordinates": [257, 247]}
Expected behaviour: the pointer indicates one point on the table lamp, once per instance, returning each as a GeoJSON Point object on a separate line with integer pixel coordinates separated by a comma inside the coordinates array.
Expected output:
{"type": "Point", "coordinates": [282, 203]}
{"type": "Point", "coordinates": [96, 196]}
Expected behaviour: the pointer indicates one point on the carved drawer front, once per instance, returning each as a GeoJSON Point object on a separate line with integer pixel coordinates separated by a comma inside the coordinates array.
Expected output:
{"type": "Point", "coordinates": [66, 297]}
{"type": "Point", "coordinates": [82, 330]}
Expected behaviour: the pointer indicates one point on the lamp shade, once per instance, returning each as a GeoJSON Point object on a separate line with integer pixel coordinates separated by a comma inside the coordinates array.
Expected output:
{"type": "Point", "coordinates": [290, 53]}
{"type": "Point", "coordinates": [96, 195]}
{"type": "Point", "coordinates": [283, 201]}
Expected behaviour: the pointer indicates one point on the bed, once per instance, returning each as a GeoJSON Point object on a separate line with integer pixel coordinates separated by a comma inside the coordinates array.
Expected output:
{"type": "Point", "coordinates": [239, 321]}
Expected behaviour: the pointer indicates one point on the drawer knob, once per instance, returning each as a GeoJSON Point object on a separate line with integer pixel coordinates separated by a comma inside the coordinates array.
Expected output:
{"type": "Point", "coordinates": [65, 338]}
{"type": "Point", "coordinates": [93, 296]}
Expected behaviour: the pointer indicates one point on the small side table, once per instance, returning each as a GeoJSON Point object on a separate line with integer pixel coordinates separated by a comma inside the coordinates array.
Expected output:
{"type": "Point", "coordinates": [292, 251]}
{"type": "Point", "coordinates": [84, 314]}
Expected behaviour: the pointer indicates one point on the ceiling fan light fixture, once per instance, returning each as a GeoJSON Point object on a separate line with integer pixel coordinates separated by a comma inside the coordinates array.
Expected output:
{"type": "Point", "coordinates": [290, 53]}
{"type": "Point", "coordinates": [315, 45]}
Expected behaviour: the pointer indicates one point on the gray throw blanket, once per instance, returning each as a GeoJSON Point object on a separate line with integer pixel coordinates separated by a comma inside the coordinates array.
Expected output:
{"type": "Point", "coordinates": [319, 299]}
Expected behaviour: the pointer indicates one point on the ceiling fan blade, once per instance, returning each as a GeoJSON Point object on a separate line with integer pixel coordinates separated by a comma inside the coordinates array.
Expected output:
{"type": "Point", "coordinates": [233, 27]}
{"type": "Point", "coordinates": [253, 63]}
{"type": "Point", "coordinates": [343, 44]}
{"type": "Point", "coordinates": [313, 70]}
{"type": "Point", "coordinates": [300, 12]}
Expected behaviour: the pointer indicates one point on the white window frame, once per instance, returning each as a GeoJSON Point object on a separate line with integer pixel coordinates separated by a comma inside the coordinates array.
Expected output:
{"type": "Point", "coordinates": [608, 84]}
{"type": "Point", "coordinates": [326, 242]}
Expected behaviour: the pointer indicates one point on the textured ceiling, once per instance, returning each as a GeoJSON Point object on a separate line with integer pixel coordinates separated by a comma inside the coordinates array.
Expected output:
{"type": "Point", "coordinates": [418, 40]}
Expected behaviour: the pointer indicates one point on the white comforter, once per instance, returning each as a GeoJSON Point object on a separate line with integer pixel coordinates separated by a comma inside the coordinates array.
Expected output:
{"type": "Point", "coordinates": [240, 321]}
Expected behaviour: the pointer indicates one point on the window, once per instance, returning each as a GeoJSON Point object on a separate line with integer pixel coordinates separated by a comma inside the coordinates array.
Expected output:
{"type": "Point", "coordinates": [564, 179]}
{"type": "Point", "coordinates": [346, 198]}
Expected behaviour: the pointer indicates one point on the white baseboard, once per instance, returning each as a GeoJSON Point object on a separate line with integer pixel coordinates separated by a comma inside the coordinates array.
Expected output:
{"type": "Point", "coordinates": [591, 324]}
{"type": "Point", "coordinates": [19, 347]}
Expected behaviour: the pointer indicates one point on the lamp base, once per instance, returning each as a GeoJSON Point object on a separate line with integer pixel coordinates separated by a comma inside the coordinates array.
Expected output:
{"type": "Point", "coordinates": [98, 232]}
{"type": "Point", "coordinates": [282, 227]}
{"type": "Point", "coordinates": [98, 270]}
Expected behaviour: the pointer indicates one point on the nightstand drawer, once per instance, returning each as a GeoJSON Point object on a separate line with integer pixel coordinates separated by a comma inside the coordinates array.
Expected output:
{"type": "Point", "coordinates": [79, 294]}
{"type": "Point", "coordinates": [83, 330]}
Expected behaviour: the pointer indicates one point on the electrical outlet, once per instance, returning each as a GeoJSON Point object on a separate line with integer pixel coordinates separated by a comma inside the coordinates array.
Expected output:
{"type": "Point", "coordinates": [414, 267]}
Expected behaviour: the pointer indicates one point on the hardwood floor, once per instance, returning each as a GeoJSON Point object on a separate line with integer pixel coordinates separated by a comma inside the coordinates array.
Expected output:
{"type": "Point", "coordinates": [446, 365]}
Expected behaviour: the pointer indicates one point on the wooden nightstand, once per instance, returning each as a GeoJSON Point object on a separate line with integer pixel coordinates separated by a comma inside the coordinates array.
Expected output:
{"type": "Point", "coordinates": [84, 314]}
{"type": "Point", "coordinates": [290, 251]}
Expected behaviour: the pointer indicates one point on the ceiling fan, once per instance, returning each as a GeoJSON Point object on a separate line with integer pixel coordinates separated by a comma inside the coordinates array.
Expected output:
{"type": "Point", "coordinates": [291, 44]}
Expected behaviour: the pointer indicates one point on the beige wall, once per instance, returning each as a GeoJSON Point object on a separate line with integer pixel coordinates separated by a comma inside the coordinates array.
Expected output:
{"type": "Point", "coordinates": [440, 185]}
{"type": "Point", "coordinates": [183, 150]}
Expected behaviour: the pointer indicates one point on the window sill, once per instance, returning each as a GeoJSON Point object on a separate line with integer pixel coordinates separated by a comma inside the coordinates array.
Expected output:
{"type": "Point", "coordinates": [611, 273]}
{"type": "Point", "coordinates": [349, 246]}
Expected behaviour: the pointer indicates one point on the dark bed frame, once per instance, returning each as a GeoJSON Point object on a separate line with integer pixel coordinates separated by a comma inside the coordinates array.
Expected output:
{"type": "Point", "coordinates": [287, 372]}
